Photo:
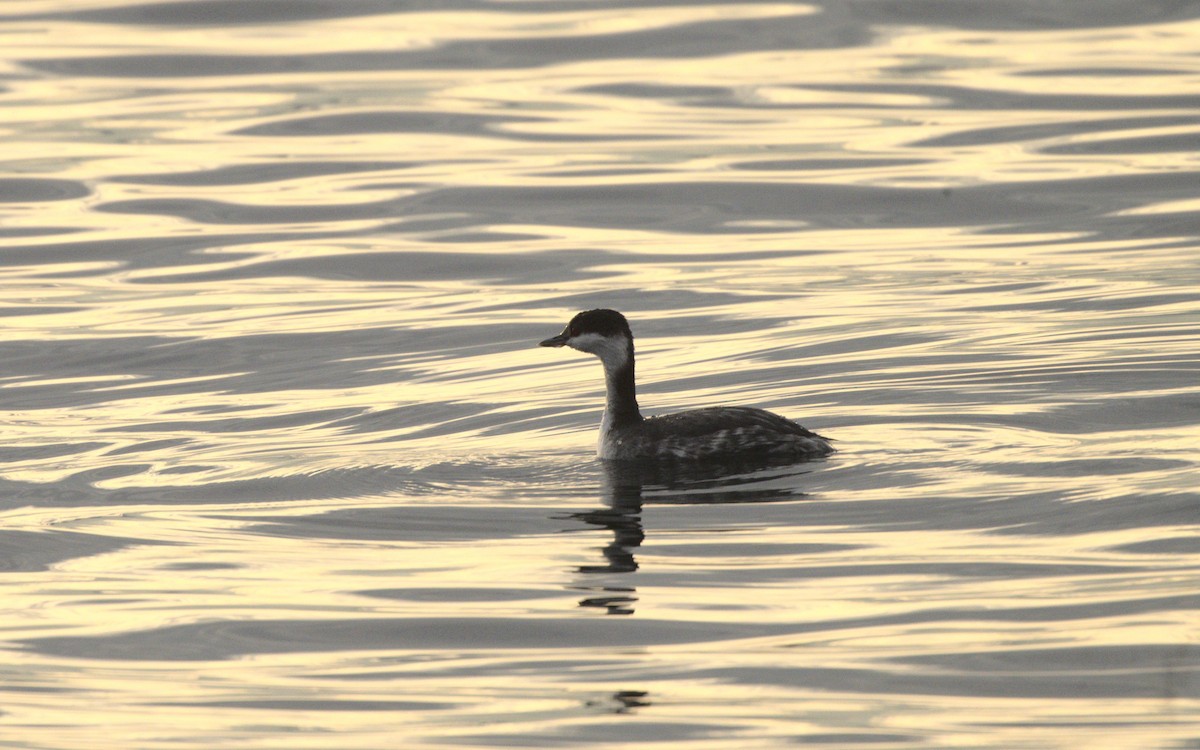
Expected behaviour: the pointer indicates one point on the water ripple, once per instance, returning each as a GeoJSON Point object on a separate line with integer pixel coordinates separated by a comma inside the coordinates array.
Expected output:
{"type": "Point", "coordinates": [284, 460]}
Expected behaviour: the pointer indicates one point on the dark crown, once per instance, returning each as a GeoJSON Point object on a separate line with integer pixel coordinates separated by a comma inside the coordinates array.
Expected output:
{"type": "Point", "coordinates": [603, 322]}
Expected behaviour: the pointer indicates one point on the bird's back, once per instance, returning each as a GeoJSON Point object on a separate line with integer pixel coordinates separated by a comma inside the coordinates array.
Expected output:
{"type": "Point", "coordinates": [714, 432]}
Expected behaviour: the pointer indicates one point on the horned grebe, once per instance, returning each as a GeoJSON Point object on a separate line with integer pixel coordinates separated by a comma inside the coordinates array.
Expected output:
{"type": "Point", "coordinates": [709, 433]}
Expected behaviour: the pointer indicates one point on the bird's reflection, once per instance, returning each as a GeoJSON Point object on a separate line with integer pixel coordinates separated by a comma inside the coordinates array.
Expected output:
{"type": "Point", "coordinates": [621, 702]}
{"type": "Point", "coordinates": [626, 486]}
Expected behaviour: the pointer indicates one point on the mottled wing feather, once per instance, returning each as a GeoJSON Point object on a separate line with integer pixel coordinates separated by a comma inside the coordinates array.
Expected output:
{"type": "Point", "coordinates": [720, 431]}
{"type": "Point", "coordinates": [698, 422]}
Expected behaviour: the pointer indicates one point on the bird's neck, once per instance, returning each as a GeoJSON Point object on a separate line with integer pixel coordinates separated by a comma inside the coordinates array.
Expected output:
{"type": "Point", "coordinates": [621, 406]}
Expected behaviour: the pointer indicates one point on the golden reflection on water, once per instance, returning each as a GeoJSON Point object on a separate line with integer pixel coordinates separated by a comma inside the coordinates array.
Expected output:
{"type": "Point", "coordinates": [259, 407]}
{"type": "Point", "coordinates": [848, 290]}
{"type": "Point", "coordinates": [266, 574]}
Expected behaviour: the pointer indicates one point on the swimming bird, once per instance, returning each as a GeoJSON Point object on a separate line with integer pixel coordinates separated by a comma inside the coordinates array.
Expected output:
{"type": "Point", "coordinates": [711, 433]}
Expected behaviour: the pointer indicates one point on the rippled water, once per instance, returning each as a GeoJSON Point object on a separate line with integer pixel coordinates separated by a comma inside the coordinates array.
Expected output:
{"type": "Point", "coordinates": [284, 467]}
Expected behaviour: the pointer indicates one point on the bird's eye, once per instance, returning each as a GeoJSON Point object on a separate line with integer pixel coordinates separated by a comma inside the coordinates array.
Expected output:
{"type": "Point", "coordinates": [573, 331]}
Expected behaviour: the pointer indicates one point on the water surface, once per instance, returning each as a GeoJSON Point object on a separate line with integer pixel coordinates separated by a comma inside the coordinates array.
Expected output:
{"type": "Point", "coordinates": [284, 466]}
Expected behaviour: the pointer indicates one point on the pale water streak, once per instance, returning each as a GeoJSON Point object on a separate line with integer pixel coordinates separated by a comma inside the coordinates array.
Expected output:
{"type": "Point", "coordinates": [284, 467]}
